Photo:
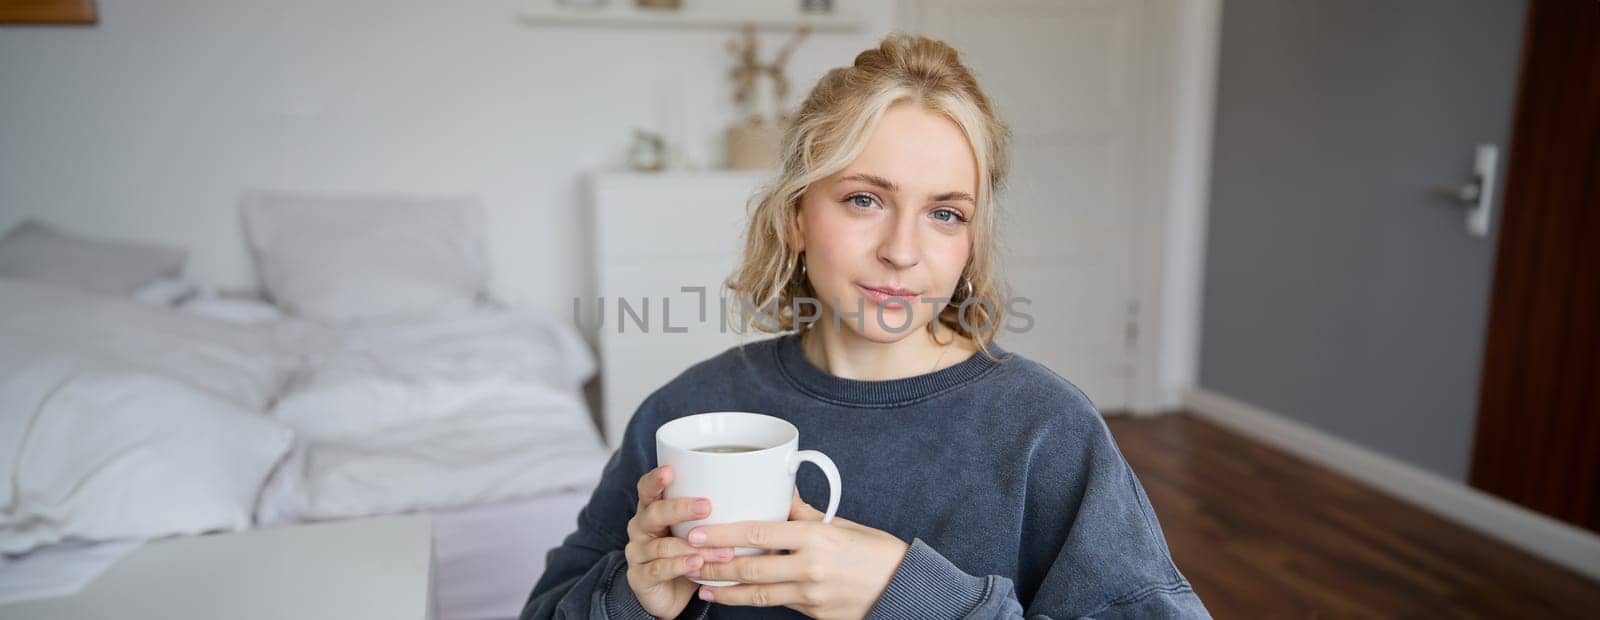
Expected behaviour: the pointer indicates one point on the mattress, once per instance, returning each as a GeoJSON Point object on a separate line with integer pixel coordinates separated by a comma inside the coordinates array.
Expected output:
{"type": "Point", "coordinates": [487, 557]}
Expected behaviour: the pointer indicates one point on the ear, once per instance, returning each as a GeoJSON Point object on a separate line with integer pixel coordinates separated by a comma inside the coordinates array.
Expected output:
{"type": "Point", "coordinates": [797, 232]}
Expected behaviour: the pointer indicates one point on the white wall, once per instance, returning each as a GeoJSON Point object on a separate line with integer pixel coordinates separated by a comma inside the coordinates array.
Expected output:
{"type": "Point", "coordinates": [150, 124]}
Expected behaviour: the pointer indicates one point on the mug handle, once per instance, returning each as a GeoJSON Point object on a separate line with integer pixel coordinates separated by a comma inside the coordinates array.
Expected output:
{"type": "Point", "coordinates": [826, 464]}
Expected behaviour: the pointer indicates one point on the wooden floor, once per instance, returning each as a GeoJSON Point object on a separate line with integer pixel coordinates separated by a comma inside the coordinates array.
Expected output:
{"type": "Point", "coordinates": [1262, 534]}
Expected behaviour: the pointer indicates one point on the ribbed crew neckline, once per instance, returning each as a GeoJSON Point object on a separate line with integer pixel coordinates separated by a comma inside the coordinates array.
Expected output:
{"type": "Point", "coordinates": [792, 362]}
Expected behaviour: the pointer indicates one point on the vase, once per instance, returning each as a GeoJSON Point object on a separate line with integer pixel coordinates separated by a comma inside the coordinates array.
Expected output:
{"type": "Point", "coordinates": [754, 146]}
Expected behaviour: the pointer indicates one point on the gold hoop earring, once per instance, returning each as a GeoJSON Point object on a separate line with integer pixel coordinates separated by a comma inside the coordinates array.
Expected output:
{"type": "Point", "coordinates": [790, 267]}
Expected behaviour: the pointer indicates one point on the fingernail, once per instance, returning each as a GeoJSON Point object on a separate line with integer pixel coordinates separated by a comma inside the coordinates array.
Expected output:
{"type": "Point", "coordinates": [705, 595]}
{"type": "Point", "coordinates": [724, 554]}
{"type": "Point", "coordinates": [696, 537]}
{"type": "Point", "coordinates": [694, 574]}
{"type": "Point", "coordinates": [702, 507]}
{"type": "Point", "coordinates": [695, 561]}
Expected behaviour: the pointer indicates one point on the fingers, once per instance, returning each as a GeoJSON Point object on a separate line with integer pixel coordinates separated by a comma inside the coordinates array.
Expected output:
{"type": "Point", "coordinates": [667, 569]}
{"type": "Point", "coordinates": [652, 483]}
{"type": "Point", "coordinates": [757, 595]}
{"type": "Point", "coordinates": [664, 513]}
{"type": "Point", "coordinates": [646, 551]}
{"type": "Point", "coordinates": [799, 510]}
{"type": "Point", "coordinates": [755, 534]}
{"type": "Point", "coordinates": [758, 569]}
{"type": "Point", "coordinates": [650, 550]}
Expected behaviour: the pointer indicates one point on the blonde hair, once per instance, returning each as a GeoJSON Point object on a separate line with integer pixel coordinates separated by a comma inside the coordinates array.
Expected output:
{"type": "Point", "coordinates": [831, 130]}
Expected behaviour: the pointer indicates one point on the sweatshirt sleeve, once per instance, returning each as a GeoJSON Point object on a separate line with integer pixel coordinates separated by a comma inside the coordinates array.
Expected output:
{"type": "Point", "coordinates": [586, 577]}
{"type": "Point", "coordinates": [1110, 559]}
{"type": "Point", "coordinates": [928, 586]}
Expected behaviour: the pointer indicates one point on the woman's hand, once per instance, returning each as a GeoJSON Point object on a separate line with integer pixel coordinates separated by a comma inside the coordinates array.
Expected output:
{"type": "Point", "coordinates": [835, 570]}
{"type": "Point", "coordinates": [658, 562]}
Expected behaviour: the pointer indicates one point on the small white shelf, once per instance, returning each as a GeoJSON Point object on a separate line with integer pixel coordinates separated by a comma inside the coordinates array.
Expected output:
{"type": "Point", "coordinates": [623, 13]}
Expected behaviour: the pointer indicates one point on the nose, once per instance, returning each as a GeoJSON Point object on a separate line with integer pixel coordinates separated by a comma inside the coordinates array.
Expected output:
{"type": "Point", "coordinates": [900, 248]}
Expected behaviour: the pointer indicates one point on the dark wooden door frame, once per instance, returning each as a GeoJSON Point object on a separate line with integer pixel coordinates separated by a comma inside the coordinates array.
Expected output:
{"type": "Point", "coordinates": [1537, 440]}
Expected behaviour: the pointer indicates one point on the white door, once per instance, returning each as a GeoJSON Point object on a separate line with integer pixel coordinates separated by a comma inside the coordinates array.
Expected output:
{"type": "Point", "coordinates": [1065, 75]}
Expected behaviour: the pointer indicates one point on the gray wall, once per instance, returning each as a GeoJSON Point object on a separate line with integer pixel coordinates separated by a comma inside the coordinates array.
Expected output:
{"type": "Point", "coordinates": [1338, 291]}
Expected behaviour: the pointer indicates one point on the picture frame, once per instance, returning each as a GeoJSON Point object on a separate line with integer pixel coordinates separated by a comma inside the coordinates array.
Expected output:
{"type": "Point", "coordinates": [43, 12]}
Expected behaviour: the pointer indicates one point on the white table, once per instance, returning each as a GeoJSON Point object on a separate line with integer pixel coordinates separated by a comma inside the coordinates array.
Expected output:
{"type": "Point", "coordinates": [375, 568]}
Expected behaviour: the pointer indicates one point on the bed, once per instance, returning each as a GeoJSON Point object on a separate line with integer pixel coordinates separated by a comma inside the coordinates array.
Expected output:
{"type": "Point", "coordinates": [487, 558]}
{"type": "Point", "coordinates": [489, 432]}
{"type": "Point", "coordinates": [375, 376]}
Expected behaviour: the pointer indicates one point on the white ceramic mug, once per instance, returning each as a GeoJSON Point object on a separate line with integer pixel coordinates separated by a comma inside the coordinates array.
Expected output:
{"type": "Point", "coordinates": [753, 485]}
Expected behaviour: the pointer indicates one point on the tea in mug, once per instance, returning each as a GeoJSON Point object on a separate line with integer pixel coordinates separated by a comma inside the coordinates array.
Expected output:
{"type": "Point", "coordinates": [727, 449]}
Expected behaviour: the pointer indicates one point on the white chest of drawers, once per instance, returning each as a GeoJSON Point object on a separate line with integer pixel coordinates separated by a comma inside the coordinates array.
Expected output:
{"type": "Point", "coordinates": [655, 235]}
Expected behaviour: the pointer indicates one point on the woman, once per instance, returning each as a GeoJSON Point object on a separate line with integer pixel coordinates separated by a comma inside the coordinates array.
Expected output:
{"type": "Point", "coordinates": [977, 482]}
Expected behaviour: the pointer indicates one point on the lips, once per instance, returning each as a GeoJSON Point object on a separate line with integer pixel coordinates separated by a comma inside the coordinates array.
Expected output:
{"type": "Point", "coordinates": [881, 295]}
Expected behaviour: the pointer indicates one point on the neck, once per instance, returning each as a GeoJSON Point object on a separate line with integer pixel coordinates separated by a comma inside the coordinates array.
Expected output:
{"type": "Point", "coordinates": [845, 354]}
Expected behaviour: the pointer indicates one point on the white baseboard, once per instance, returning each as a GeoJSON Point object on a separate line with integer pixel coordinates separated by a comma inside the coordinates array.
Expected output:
{"type": "Point", "coordinates": [1575, 548]}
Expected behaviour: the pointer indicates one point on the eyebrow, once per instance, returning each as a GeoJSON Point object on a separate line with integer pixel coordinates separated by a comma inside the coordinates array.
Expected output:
{"type": "Point", "coordinates": [891, 187]}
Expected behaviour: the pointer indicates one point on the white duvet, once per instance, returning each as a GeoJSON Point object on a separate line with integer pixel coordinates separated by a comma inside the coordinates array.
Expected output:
{"type": "Point", "coordinates": [399, 415]}
{"type": "Point", "coordinates": [121, 421]}
{"type": "Point", "coordinates": [483, 457]}
{"type": "Point", "coordinates": [359, 378]}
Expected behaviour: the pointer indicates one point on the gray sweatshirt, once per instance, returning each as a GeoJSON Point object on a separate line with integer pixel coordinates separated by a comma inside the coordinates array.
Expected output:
{"type": "Point", "coordinates": [1000, 475]}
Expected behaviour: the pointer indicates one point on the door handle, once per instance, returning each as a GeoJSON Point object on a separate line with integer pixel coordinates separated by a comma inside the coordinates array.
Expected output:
{"type": "Point", "coordinates": [1477, 195]}
{"type": "Point", "coordinates": [1466, 193]}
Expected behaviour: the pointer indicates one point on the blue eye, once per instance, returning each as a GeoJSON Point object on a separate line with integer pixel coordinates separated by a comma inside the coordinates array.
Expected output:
{"type": "Point", "coordinates": [954, 216]}
{"type": "Point", "coordinates": [853, 199]}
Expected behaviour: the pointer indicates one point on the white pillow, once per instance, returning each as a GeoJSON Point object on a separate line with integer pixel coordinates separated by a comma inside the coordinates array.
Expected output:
{"type": "Point", "coordinates": [35, 251]}
{"type": "Point", "coordinates": [336, 258]}
{"type": "Point", "coordinates": [165, 292]}
{"type": "Point", "coordinates": [241, 310]}
{"type": "Point", "coordinates": [366, 377]}
{"type": "Point", "coordinates": [118, 455]}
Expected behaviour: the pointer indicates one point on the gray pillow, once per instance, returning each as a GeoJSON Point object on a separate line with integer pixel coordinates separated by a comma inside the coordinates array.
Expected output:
{"type": "Point", "coordinates": [38, 252]}
{"type": "Point", "coordinates": [340, 257]}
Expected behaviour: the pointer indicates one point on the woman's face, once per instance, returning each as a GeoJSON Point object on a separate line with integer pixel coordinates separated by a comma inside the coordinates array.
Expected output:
{"type": "Point", "coordinates": [893, 228]}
